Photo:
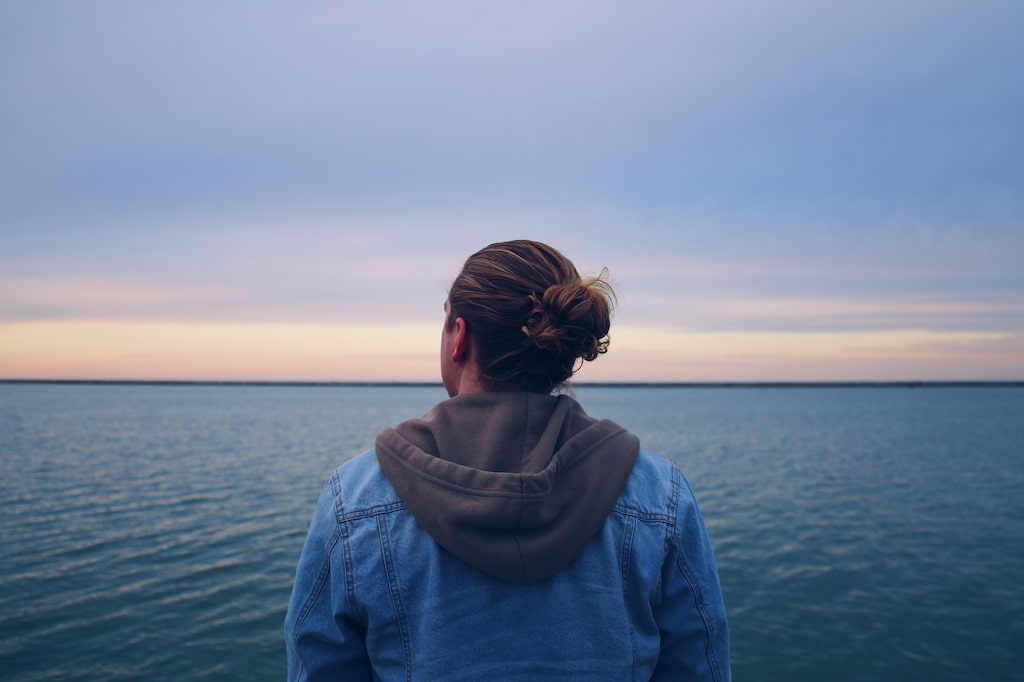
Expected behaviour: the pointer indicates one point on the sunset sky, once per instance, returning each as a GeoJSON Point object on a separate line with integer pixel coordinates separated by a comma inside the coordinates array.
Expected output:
{"type": "Point", "coordinates": [791, 190]}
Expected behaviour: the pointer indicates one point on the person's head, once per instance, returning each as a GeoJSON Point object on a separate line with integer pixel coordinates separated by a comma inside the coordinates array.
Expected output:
{"type": "Point", "coordinates": [529, 317]}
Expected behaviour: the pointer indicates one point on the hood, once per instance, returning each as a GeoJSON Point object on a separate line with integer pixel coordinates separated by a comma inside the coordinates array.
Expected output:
{"type": "Point", "coordinates": [515, 484]}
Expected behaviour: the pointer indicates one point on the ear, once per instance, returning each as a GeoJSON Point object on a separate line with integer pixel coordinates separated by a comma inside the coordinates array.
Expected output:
{"type": "Point", "coordinates": [461, 345]}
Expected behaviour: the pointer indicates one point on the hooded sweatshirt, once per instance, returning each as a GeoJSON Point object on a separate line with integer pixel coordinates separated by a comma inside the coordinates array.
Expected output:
{"type": "Point", "coordinates": [515, 484]}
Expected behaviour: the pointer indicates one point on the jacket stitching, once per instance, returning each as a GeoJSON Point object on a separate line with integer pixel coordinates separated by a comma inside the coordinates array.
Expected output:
{"type": "Point", "coordinates": [396, 597]}
{"type": "Point", "coordinates": [698, 595]}
{"type": "Point", "coordinates": [709, 627]}
{"type": "Point", "coordinates": [624, 572]}
{"type": "Point", "coordinates": [366, 512]}
{"type": "Point", "coordinates": [657, 517]}
{"type": "Point", "coordinates": [346, 548]}
{"type": "Point", "coordinates": [317, 589]}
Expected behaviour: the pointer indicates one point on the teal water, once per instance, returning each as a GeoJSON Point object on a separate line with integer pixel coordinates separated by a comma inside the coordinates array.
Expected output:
{"type": "Point", "coordinates": [151, 532]}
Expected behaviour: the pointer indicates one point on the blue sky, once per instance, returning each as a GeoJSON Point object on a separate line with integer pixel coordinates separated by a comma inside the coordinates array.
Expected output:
{"type": "Point", "coordinates": [789, 190]}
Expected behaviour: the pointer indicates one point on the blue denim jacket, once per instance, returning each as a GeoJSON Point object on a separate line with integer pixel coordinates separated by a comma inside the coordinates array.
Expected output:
{"type": "Point", "coordinates": [376, 598]}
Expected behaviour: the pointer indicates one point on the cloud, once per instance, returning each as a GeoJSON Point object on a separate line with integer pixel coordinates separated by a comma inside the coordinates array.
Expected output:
{"type": "Point", "coordinates": [354, 263]}
{"type": "Point", "coordinates": [739, 106]}
{"type": "Point", "coordinates": [741, 167]}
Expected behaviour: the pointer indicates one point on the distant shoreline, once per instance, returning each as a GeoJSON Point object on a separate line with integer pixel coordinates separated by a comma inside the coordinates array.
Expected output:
{"type": "Point", "coordinates": [582, 384]}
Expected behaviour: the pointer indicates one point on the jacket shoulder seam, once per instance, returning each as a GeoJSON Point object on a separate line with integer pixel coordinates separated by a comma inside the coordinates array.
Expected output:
{"type": "Point", "coordinates": [367, 512]}
{"type": "Point", "coordinates": [641, 515]}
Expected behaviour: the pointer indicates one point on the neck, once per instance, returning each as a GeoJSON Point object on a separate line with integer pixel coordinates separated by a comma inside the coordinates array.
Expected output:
{"type": "Point", "coordinates": [468, 383]}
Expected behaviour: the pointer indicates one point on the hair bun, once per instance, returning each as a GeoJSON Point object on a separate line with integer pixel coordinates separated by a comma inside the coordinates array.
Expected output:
{"type": "Point", "coordinates": [570, 318]}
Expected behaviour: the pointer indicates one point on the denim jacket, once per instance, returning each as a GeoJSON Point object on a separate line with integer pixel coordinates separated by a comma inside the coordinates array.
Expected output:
{"type": "Point", "coordinates": [376, 597]}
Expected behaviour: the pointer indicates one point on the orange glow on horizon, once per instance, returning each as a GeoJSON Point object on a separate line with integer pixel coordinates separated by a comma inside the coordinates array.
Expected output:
{"type": "Point", "coordinates": [219, 351]}
{"type": "Point", "coordinates": [407, 352]}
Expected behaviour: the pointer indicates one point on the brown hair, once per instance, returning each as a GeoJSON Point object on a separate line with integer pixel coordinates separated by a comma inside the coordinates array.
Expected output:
{"type": "Point", "coordinates": [530, 314]}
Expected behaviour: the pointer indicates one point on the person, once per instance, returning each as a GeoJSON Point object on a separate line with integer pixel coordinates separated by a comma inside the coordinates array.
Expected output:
{"type": "Point", "coordinates": [507, 534]}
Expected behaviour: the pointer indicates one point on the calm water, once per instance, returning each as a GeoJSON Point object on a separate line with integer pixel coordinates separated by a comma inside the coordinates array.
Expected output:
{"type": "Point", "coordinates": [151, 532]}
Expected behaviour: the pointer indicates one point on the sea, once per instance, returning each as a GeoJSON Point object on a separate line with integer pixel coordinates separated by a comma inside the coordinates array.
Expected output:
{"type": "Point", "coordinates": [151, 532]}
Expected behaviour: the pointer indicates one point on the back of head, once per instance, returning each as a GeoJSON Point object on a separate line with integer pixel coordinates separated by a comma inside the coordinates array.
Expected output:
{"type": "Point", "coordinates": [531, 316]}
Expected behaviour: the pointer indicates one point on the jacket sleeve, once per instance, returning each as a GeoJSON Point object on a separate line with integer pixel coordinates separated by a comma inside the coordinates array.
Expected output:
{"type": "Point", "coordinates": [691, 615]}
{"type": "Point", "coordinates": [323, 639]}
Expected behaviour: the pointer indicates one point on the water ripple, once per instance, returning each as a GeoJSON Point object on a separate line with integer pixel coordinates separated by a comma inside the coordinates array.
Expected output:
{"type": "Point", "coordinates": [152, 532]}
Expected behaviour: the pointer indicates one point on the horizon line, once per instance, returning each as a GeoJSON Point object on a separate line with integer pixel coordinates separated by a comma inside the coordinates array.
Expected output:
{"type": "Point", "coordinates": [913, 383]}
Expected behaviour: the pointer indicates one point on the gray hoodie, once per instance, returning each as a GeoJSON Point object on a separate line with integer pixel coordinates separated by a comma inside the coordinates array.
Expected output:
{"type": "Point", "coordinates": [515, 484]}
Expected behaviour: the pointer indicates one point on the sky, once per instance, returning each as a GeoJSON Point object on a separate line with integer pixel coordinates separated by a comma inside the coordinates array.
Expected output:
{"type": "Point", "coordinates": [788, 191]}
